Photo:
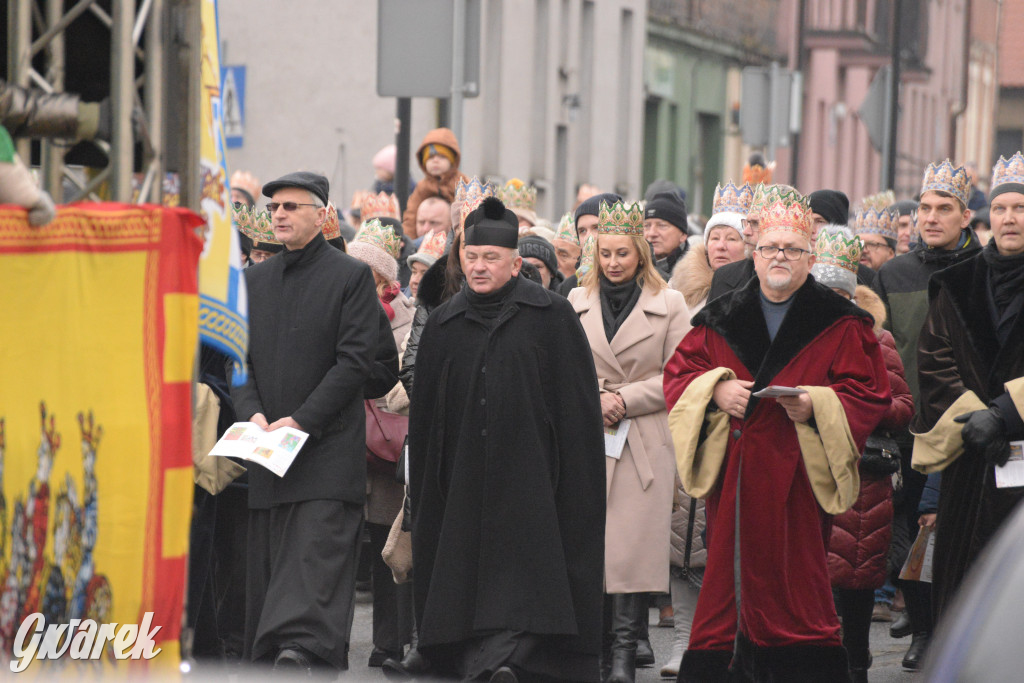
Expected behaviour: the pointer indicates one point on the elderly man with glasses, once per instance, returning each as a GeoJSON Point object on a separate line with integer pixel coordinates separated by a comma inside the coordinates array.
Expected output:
{"type": "Point", "coordinates": [773, 466]}
{"type": "Point", "coordinates": [314, 335]}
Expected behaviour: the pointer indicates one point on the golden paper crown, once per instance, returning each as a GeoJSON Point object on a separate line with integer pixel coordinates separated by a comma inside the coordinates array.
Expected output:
{"type": "Point", "coordinates": [518, 195]}
{"type": "Point", "coordinates": [882, 200]}
{"type": "Point", "coordinates": [567, 230]}
{"type": "Point", "coordinates": [1008, 171]}
{"type": "Point", "coordinates": [468, 207]}
{"type": "Point", "coordinates": [877, 222]}
{"type": "Point", "coordinates": [381, 236]}
{"type": "Point", "coordinates": [728, 197]}
{"type": "Point", "coordinates": [587, 259]}
{"type": "Point", "coordinates": [254, 223]}
{"type": "Point", "coordinates": [756, 173]}
{"type": "Point", "coordinates": [620, 219]}
{"type": "Point", "coordinates": [947, 178]}
{"type": "Point", "coordinates": [382, 205]}
{"type": "Point", "coordinates": [434, 244]}
{"type": "Point", "coordinates": [834, 248]}
{"type": "Point", "coordinates": [473, 189]}
{"type": "Point", "coordinates": [786, 211]}
{"type": "Point", "coordinates": [331, 227]}
{"type": "Point", "coordinates": [244, 180]}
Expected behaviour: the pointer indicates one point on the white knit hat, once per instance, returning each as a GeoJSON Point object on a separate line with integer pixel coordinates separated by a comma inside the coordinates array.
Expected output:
{"type": "Point", "coordinates": [729, 219]}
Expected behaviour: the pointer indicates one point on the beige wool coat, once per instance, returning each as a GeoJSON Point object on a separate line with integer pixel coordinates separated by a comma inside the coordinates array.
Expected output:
{"type": "Point", "coordinates": [641, 484]}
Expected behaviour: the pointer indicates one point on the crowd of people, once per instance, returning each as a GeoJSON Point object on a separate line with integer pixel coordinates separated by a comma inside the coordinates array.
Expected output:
{"type": "Point", "coordinates": [743, 420]}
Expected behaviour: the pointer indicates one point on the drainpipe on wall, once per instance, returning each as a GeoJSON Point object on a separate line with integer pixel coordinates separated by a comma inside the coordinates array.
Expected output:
{"type": "Point", "coordinates": [962, 107]}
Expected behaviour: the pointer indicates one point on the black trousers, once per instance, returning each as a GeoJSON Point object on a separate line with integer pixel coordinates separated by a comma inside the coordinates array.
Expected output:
{"type": "Point", "coordinates": [300, 579]}
{"type": "Point", "coordinates": [392, 603]}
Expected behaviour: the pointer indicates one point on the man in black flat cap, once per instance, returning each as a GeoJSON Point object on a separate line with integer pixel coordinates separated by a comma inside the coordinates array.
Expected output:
{"type": "Point", "coordinates": [507, 482]}
{"type": "Point", "coordinates": [314, 335]}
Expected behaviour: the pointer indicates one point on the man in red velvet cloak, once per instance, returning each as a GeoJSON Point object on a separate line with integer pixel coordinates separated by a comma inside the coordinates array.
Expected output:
{"type": "Point", "coordinates": [773, 470]}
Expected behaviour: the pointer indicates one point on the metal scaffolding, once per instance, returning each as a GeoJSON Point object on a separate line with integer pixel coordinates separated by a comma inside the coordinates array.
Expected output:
{"type": "Point", "coordinates": [139, 34]}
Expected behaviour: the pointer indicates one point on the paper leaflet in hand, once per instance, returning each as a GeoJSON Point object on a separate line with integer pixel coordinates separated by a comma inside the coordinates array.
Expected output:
{"type": "Point", "coordinates": [615, 439]}
{"type": "Point", "coordinates": [274, 450]}
{"type": "Point", "coordinates": [777, 392]}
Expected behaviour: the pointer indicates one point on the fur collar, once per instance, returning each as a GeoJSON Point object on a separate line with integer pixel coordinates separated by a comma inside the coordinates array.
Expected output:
{"type": "Point", "coordinates": [872, 303]}
{"type": "Point", "coordinates": [431, 290]}
{"type": "Point", "coordinates": [692, 276]}
{"type": "Point", "coordinates": [738, 318]}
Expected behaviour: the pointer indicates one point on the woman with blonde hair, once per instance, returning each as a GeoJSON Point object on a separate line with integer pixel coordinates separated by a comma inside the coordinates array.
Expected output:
{"type": "Point", "coordinates": [634, 323]}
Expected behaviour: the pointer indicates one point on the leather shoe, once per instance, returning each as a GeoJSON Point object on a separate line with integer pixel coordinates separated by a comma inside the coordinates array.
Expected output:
{"type": "Point", "coordinates": [901, 628]}
{"type": "Point", "coordinates": [644, 652]}
{"type": "Point", "coordinates": [379, 655]}
{"type": "Point", "coordinates": [915, 655]}
{"type": "Point", "coordinates": [504, 675]}
{"type": "Point", "coordinates": [412, 665]}
{"type": "Point", "coordinates": [293, 660]}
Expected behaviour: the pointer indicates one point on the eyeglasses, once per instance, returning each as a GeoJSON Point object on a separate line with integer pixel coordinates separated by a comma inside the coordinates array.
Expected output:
{"type": "Point", "coordinates": [875, 245]}
{"type": "Point", "coordinates": [768, 252]}
{"type": "Point", "coordinates": [287, 206]}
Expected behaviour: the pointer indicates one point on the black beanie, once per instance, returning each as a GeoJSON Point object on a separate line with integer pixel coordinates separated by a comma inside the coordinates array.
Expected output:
{"type": "Point", "coordinates": [904, 207]}
{"type": "Point", "coordinates": [832, 205]}
{"type": "Point", "coordinates": [659, 186]}
{"type": "Point", "coordinates": [539, 248]}
{"type": "Point", "coordinates": [668, 206]}
{"type": "Point", "coordinates": [394, 224]}
{"type": "Point", "coordinates": [592, 206]}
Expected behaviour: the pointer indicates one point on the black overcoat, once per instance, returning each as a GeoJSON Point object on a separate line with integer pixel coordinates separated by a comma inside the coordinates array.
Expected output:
{"type": "Point", "coordinates": [958, 351]}
{"type": "Point", "coordinates": [507, 474]}
{"type": "Point", "coordinates": [313, 337]}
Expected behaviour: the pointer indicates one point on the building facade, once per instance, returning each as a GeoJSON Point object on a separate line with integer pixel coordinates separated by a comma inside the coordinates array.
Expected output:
{"type": "Point", "coordinates": [560, 95]}
{"type": "Point", "coordinates": [1010, 116]}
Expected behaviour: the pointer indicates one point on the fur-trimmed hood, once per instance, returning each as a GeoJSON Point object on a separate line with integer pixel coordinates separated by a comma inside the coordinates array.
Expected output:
{"type": "Point", "coordinates": [692, 275]}
{"type": "Point", "coordinates": [872, 303]}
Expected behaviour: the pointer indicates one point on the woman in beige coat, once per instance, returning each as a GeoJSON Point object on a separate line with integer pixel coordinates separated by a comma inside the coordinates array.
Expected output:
{"type": "Point", "coordinates": [634, 323]}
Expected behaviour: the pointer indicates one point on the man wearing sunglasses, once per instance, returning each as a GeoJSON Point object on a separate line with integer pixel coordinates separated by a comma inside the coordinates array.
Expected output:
{"type": "Point", "coordinates": [314, 323]}
{"type": "Point", "coordinates": [772, 469]}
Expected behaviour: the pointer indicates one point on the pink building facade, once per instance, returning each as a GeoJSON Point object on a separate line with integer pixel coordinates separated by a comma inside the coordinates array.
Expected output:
{"type": "Point", "coordinates": [845, 43]}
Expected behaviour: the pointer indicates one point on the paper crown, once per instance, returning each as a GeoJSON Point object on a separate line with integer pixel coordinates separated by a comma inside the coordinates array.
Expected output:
{"type": "Point", "coordinates": [763, 195]}
{"type": "Point", "coordinates": [473, 189]}
{"type": "Point", "coordinates": [947, 178]}
{"type": "Point", "coordinates": [1008, 171]}
{"type": "Point", "coordinates": [756, 173]}
{"type": "Point", "coordinates": [381, 236]}
{"type": "Point", "coordinates": [728, 197]}
{"type": "Point", "coordinates": [835, 248]}
{"type": "Point", "coordinates": [434, 244]}
{"type": "Point", "coordinates": [567, 230]}
{"type": "Point", "coordinates": [469, 206]}
{"type": "Point", "coordinates": [882, 200]}
{"type": "Point", "coordinates": [587, 259]}
{"type": "Point", "coordinates": [620, 219]}
{"type": "Point", "coordinates": [382, 205]}
{"type": "Point", "coordinates": [880, 222]}
{"type": "Point", "coordinates": [786, 211]}
{"type": "Point", "coordinates": [332, 225]}
{"type": "Point", "coordinates": [518, 195]}
{"type": "Point", "coordinates": [254, 223]}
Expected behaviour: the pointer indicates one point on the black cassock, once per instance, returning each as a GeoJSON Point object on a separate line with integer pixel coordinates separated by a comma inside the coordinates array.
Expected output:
{"type": "Point", "coordinates": [508, 489]}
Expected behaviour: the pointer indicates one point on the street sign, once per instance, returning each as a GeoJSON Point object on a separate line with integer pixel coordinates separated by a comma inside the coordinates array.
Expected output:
{"type": "Point", "coordinates": [414, 53]}
{"type": "Point", "coordinates": [233, 98]}
{"type": "Point", "coordinates": [766, 104]}
{"type": "Point", "coordinates": [874, 111]}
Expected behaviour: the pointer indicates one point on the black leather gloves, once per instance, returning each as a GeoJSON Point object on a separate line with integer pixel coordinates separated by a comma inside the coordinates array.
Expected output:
{"type": "Point", "coordinates": [984, 433]}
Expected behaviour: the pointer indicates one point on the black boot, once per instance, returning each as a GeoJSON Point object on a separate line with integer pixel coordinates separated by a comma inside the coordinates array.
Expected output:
{"type": "Point", "coordinates": [915, 655]}
{"type": "Point", "coordinates": [644, 651]}
{"type": "Point", "coordinates": [625, 627]}
{"type": "Point", "coordinates": [413, 664]}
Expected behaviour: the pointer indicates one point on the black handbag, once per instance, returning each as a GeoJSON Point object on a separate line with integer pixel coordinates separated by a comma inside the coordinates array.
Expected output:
{"type": "Point", "coordinates": [881, 456]}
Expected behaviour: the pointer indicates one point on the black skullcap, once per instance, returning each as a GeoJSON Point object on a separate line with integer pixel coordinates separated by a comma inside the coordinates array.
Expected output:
{"type": "Point", "coordinates": [668, 206]}
{"type": "Point", "coordinates": [832, 205]}
{"type": "Point", "coordinates": [314, 182]}
{"type": "Point", "coordinates": [592, 205]}
{"type": "Point", "coordinates": [491, 224]}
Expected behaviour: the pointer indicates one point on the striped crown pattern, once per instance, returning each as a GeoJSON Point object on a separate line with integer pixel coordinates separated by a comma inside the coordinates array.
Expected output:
{"type": "Point", "coordinates": [518, 195]}
{"type": "Point", "coordinates": [254, 223]}
{"type": "Point", "coordinates": [567, 230]}
{"type": "Point", "coordinates": [835, 248]}
{"type": "Point", "coordinates": [620, 219]}
{"type": "Point", "coordinates": [473, 189]}
{"type": "Point", "coordinates": [788, 211]}
{"type": "Point", "coordinates": [381, 236]}
{"type": "Point", "coordinates": [946, 177]}
{"type": "Point", "coordinates": [874, 221]}
{"type": "Point", "coordinates": [728, 197]}
{"type": "Point", "coordinates": [382, 205]}
{"type": "Point", "coordinates": [1008, 171]}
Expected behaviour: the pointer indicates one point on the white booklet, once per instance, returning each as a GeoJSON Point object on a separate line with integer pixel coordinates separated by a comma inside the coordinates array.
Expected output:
{"type": "Point", "coordinates": [1011, 474]}
{"type": "Point", "coordinates": [274, 450]}
{"type": "Point", "coordinates": [615, 438]}
{"type": "Point", "coordinates": [776, 392]}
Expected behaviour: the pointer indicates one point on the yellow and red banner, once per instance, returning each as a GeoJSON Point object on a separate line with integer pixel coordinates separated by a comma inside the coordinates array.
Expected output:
{"type": "Point", "coordinates": [96, 357]}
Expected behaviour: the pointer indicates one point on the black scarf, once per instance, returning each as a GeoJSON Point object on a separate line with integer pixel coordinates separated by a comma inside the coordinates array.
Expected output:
{"type": "Point", "coordinates": [1005, 286]}
{"type": "Point", "coordinates": [489, 306]}
{"type": "Point", "coordinates": [617, 302]}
